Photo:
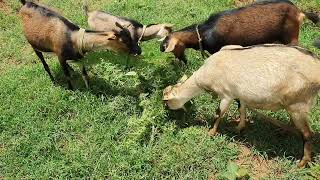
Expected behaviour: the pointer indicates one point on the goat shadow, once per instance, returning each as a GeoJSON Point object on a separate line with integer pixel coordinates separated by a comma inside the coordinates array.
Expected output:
{"type": "Point", "coordinates": [266, 138]}
{"type": "Point", "coordinates": [125, 63]}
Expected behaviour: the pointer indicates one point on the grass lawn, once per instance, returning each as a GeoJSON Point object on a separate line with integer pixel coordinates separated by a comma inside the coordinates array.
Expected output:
{"type": "Point", "coordinates": [119, 128]}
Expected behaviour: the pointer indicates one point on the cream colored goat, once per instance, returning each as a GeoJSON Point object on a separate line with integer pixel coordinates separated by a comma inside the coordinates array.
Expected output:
{"type": "Point", "coordinates": [269, 77]}
{"type": "Point", "coordinates": [103, 21]}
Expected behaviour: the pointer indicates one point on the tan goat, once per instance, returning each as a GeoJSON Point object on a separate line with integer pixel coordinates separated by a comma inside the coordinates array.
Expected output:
{"type": "Point", "coordinates": [269, 77]}
{"type": "Point", "coordinates": [102, 21]}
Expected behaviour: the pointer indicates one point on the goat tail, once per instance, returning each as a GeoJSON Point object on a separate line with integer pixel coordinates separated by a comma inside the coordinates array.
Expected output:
{"type": "Point", "coordinates": [317, 43]}
{"type": "Point", "coordinates": [314, 17]}
{"type": "Point", "coordinates": [85, 7]}
{"type": "Point", "coordinates": [23, 2]}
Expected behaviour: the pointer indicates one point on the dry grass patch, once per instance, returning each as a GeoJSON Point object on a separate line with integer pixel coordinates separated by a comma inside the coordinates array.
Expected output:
{"type": "Point", "coordinates": [258, 166]}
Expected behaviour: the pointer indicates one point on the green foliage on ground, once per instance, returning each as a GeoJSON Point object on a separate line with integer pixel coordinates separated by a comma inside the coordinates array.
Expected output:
{"type": "Point", "coordinates": [119, 128]}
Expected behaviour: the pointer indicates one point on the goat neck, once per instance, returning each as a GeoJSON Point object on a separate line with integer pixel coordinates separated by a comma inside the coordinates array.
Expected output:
{"type": "Point", "coordinates": [150, 32]}
{"type": "Point", "coordinates": [189, 39]}
{"type": "Point", "coordinates": [189, 89]}
{"type": "Point", "coordinates": [88, 41]}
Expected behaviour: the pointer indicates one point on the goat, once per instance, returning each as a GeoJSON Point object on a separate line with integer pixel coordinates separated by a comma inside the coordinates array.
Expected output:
{"type": "Point", "coordinates": [102, 21]}
{"type": "Point", "coordinates": [47, 31]}
{"type": "Point", "coordinates": [259, 23]}
{"type": "Point", "coordinates": [269, 77]}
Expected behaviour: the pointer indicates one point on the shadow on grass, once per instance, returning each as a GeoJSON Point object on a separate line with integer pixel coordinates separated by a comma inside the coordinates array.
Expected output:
{"type": "Point", "coordinates": [185, 119]}
{"type": "Point", "coordinates": [270, 140]}
{"type": "Point", "coordinates": [101, 86]}
{"type": "Point", "coordinates": [266, 138]}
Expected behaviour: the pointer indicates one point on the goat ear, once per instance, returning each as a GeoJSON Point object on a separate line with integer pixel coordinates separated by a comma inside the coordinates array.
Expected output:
{"type": "Point", "coordinates": [167, 93]}
{"type": "Point", "coordinates": [183, 79]}
{"type": "Point", "coordinates": [171, 45]}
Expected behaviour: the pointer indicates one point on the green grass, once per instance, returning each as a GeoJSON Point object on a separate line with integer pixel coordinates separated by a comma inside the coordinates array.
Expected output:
{"type": "Point", "coordinates": [119, 128]}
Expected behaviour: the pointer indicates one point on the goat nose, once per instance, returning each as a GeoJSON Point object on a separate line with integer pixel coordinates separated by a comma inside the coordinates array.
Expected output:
{"type": "Point", "coordinates": [136, 51]}
{"type": "Point", "coordinates": [139, 51]}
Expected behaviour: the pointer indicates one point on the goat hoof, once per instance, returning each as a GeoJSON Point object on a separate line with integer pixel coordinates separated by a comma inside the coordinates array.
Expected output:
{"type": "Point", "coordinates": [303, 162]}
{"type": "Point", "coordinates": [212, 132]}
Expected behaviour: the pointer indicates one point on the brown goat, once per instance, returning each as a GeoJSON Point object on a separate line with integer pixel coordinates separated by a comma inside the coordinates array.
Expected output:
{"type": "Point", "coordinates": [47, 31]}
{"type": "Point", "coordinates": [262, 22]}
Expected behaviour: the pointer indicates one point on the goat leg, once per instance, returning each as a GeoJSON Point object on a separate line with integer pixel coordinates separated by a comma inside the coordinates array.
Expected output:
{"type": "Point", "coordinates": [85, 76]}
{"type": "Point", "coordinates": [224, 105]}
{"type": "Point", "coordinates": [300, 120]}
{"type": "Point", "coordinates": [84, 73]}
{"type": "Point", "coordinates": [179, 54]}
{"type": "Point", "coordinates": [44, 63]}
{"type": "Point", "coordinates": [242, 123]}
{"type": "Point", "coordinates": [65, 69]}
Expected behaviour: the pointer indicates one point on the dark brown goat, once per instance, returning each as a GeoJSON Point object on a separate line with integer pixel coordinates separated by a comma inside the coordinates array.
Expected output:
{"type": "Point", "coordinates": [47, 31]}
{"type": "Point", "coordinates": [262, 22]}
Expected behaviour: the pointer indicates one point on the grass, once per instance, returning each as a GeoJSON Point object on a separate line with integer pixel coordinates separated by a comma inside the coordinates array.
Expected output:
{"type": "Point", "coordinates": [119, 128]}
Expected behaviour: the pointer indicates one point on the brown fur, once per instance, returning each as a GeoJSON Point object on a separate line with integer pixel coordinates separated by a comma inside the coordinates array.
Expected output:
{"type": "Point", "coordinates": [241, 23]}
{"type": "Point", "coordinates": [47, 31]}
{"type": "Point", "coordinates": [259, 23]}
